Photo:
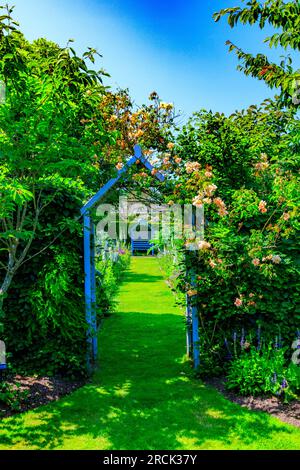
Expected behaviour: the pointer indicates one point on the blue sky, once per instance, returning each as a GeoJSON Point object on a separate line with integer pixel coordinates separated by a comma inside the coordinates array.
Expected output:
{"type": "Point", "coordinates": [170, 46]}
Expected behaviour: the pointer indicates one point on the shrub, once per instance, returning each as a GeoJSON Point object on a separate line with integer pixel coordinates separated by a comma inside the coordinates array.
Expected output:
{"type": "Point", "coordinates": [110, 270]}
{"type": "Point", "coordinates": [263, 372]}
{"type": "Point", "coordinates": [11, 395]}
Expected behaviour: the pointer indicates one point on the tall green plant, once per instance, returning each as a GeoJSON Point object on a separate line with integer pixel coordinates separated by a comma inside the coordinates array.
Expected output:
{"type": "Point", "coordinates": [284, 17]}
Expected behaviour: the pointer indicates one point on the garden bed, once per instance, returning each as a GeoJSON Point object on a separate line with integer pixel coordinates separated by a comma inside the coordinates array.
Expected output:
{"type": "Point", "coordinates": [39, 391]}
{"type": "Point", "coordinates": [286, 412]}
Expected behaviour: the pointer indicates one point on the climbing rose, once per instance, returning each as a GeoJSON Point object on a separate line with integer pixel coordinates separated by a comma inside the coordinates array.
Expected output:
{"type": "Point", "coordinates": [238, 302]}
{"type": "Point", "coordinates": [255, 261]}
{"type": "Point", "coordinates": [286, 216]}
{"type": "Point", "coordinates": [262, 207]}
{"type": "Point", "coordinates": [263, 164]}
{"type": "Point", "coordinates": [209, 190]}
{"type": "Point", "coordinates": [190, 167]}
{"type": "Point", "coordinates": [276, 259]}
{"type": "Point", "coordinates": [203, 245]}
{"type": "Point", "coordinates": [178, 160]}
{"type": "Point", "coordinates": [267, 258]}
{"type": "Point", "coordinates": [171, 145]}
{"type": "Point", "coordinates": [190, 293]}
{"type": "Point", "coordinates": [119, 166]}
{"type": "Point", "coordinates": [218, 201]}
{"type": "Point", "coordinates": [212, 264]}
{"type": "Point", "coordinates": [197, 201]}
{"type": "Point", "coordinates": [221, 206]}
{"type": "Point", "coordinates": [222, 212]}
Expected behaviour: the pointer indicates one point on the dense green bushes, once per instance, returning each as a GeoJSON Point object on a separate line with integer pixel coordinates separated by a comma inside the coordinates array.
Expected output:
{"type": "Point", "coordinates": [62, 135]}
{"type": "Point", "coordinates": [264, 371]}
{"type": "Point", "coordinates": [44, 327]}
{"type": "Point", "coordinates": [246, 271]}
{"type": "Point", "coordinates": [110, 270]}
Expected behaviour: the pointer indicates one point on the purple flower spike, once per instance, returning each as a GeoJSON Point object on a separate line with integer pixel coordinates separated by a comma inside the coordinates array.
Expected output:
{"type": "Point", "coordinates": [284, 384]}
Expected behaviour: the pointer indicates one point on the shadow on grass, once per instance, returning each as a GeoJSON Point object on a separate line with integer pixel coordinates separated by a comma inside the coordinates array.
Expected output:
{"type": "Point", "coordinates": [143, 395]}
{"type": "Point", "coordinates": [141, 277]}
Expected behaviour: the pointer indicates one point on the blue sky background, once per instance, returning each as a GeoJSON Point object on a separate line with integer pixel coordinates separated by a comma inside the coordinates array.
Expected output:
{"type": "Point", "coordinates": [171, 46]}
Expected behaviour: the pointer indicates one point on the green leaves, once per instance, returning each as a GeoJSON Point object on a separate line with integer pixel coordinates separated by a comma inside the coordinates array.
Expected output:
{"type": "Point", "coordinates": [264, 371]}
{"type": "Point", "coordinates": [282, 15]}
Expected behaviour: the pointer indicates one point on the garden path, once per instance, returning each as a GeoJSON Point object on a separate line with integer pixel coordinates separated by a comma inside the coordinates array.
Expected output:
{"type": "Point", "coordinates": [144, 395]}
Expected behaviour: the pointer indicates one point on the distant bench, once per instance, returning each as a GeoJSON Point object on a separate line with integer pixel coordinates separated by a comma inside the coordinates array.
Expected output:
{"type": "Point", "coordinates": [141, 245]}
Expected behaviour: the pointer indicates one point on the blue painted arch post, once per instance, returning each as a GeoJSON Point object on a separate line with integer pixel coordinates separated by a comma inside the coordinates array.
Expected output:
{"type": "Point", "coordinates": [89, 253]}
{"type": "Point", "coordinates": [192, 316]}
{"type": "Point", "coordinates": [192, 329]}
{"type": "Point", "coordinates": [90, 290]}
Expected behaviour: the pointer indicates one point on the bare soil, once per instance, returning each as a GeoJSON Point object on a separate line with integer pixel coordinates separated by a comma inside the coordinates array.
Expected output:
{"type": "Point", "coordinates": [286, 412]}
{"type": "Point", "coordinates": [38, 391]}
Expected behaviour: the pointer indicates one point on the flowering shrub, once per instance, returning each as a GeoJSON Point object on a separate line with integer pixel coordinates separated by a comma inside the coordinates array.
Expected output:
{"type": "Point", "coordinates": [264, 371]}
{"type": "Point", "coordinates": [11, 396]}
{"type": "Point", "coordinates": [243, 171]}
{"type": "Point", "coordinates": [109, 275]}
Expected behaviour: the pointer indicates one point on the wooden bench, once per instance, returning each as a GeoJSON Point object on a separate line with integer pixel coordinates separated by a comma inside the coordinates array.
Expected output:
{"type": "Point", "coordinates": [141, 245]}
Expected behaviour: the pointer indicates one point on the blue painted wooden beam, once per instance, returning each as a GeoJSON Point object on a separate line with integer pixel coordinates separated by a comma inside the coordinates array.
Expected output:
{"type": "Point", "coordinates": [110, 184]}
{"type": "Point", "coordinates": [93, 297]}
{"type": "Point", "coordinates": [88, 286]}
{"type": "Point", "coordinates": [195, 337]}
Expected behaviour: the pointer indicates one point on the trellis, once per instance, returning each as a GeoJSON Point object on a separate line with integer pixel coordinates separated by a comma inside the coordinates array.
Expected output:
{"type": "Point", "coordinates": [90, 268]}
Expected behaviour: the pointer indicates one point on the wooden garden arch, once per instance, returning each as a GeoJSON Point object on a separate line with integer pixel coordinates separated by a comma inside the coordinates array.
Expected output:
{"type": "Point", "coordinates": [90, 270]}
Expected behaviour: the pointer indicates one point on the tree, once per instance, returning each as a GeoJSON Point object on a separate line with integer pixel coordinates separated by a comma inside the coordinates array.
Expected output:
{"type": "Point", "coordinates": [285, 17]}
{"type": "Point", "coordinates": [51, 127]}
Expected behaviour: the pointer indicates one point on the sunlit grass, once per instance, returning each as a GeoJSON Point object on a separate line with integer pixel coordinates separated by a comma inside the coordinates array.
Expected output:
{"type": "Point", "coordinates": [144, 396]}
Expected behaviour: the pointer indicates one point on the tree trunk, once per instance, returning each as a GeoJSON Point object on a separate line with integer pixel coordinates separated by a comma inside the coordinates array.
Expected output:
{"type": "Point", "coordinates": [4, 288]}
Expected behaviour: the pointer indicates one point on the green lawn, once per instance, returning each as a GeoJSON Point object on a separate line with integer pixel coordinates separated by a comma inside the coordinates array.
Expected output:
{"type": "Point", "coordinates": [143, 396]}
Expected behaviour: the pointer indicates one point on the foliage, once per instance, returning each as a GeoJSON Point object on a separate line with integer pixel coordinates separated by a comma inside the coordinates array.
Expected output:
{"type": "Point", "coordinates": [110, 271]}
{"type": "Point", "coordinates": [44, 326]}
{"type": "Point", "coordinates": [264, 371]}
{"type": "Point", "coordinates": [284, 17]}
{"type": "Point", "coordinates": [48, 126]}
{"type": "Point", "coordinates": [161, 406]}
{"type": "Point", "coordinates": [11, 395]}
{"type": "Point", "coordinates": [56, 142]}
{"type": "Point", "coordinates": [242, 170]}
{"type": "Point", "coordinates": [150, 125]}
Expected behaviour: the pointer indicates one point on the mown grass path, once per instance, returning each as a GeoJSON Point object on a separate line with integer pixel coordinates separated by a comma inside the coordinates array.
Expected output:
{"type": "Point", "coordinates": [143, 396]}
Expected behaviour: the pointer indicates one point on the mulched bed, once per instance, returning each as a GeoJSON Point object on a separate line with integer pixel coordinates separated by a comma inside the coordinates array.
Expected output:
{"type": "Point", "coordinates": [39, 391]}
{"type": "Point", "coordinates": [286, 412]}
